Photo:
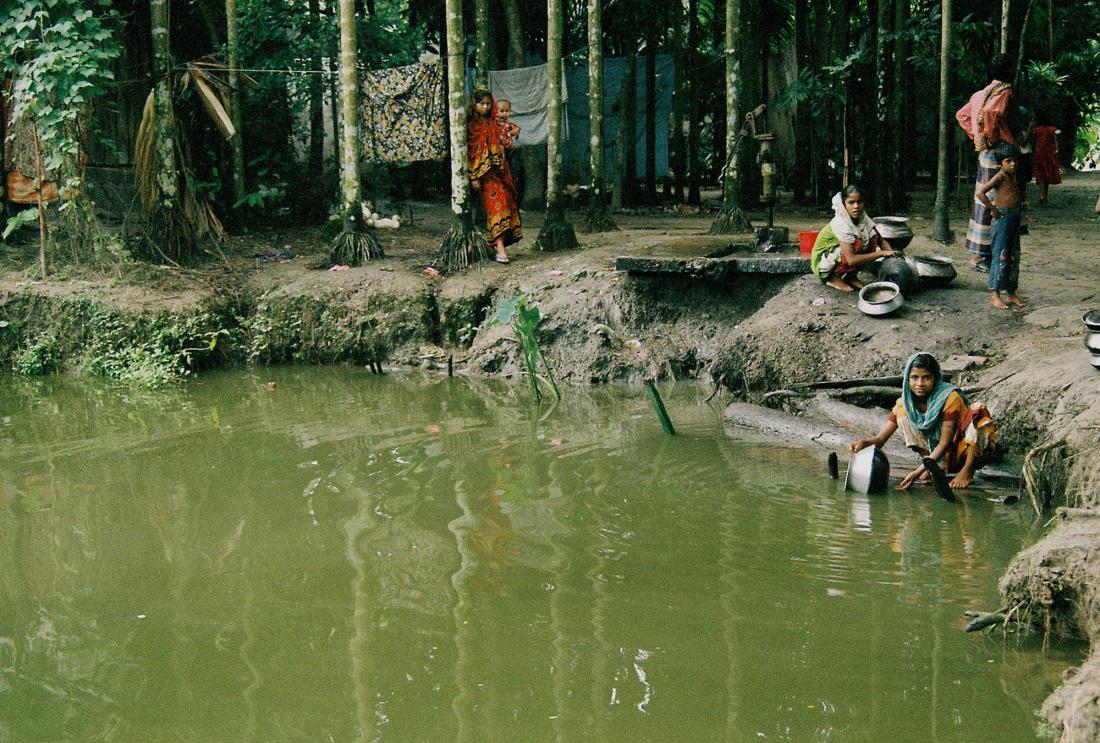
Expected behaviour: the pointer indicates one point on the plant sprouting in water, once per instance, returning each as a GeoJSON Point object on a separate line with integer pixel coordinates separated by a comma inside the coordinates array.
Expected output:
{"type": "Point", "coordinates": [524, 320]}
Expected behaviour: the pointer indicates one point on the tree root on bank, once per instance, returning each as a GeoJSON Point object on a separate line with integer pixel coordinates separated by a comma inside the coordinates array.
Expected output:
{"type": "Point", "coordinates": [355, 245]}
{"type": "Point", "coordinates": [462, 246]}
{"type": "Point", "coordinates": [1043, 476]}
{"type": "Point", "coordinates": [171, 234]}
{"type": "Point", "coordinates": [598, 220]}
{"type": "Point", "coordinates": [730, 222]}
{"type": "Point", "coordinates": [556, 233]}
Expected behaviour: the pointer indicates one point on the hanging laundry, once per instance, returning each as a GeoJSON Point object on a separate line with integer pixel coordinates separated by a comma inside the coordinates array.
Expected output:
{"type": "Point", "coordinates": [527, 89]}
{"type": "Point", "coordinates": [404, 114]}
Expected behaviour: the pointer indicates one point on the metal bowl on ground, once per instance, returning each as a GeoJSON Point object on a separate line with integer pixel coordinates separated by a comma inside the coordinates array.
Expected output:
{"type": "Point", "coordinates": [880, 298]}
{"type": "Point", "coordinates": [1092, 343]}
{"type": "Point", "coordinates": [933, 270]}
{"type": "Point", "coordinates": [1094, 359]}
{"type": "Point", "coordinates": [894, 230]}
{"type": "Point", "coordinates": [1091, 319]}
{"type": "Point", "coordinates": [868, 471]}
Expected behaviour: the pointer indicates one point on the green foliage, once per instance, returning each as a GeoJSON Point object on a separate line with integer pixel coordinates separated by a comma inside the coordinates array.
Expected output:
{"type": "Point", "coordinates": [525, 320]}
{"type": "Point", "coordinates": [60, 54]}
{"type": "Point", "coordinates": [37, 359]}
{"type": "Point", "coordinates": [25, 217]}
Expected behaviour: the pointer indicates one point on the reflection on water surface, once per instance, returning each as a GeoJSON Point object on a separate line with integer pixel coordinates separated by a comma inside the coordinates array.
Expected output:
{"type": "Point", "coordinates": [343, 557]}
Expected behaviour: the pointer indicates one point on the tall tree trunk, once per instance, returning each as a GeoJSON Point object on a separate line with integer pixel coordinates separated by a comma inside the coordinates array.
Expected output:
{"type": "Point", "coordinates": [1006, 15]}
{"type": "Point", "coordinates": [625, 167]}
{"type": "Point", "coordinates": [900, 166]}
{"type": "Point", "coordinates": [462, 245]}
{"type": "Point", "coordinates": [237, 143]}
{"type": "Point", "coordinates": [1023, 38]}
{"type": "Point", "coordinates": [879, 142]}
{"type": "Point", "coordinates": [803, 122]}
{"type": "Point", "coordinates": [534, 177]}
{"type": "Point", "coordinates": [731, 219]}
{"type": "Point", "coordinates": [678, 156]}
{"type": "Point", "coordinates": [693, 105]}
{"type": "Point", "coordinates": [356, 242]}
{"type": "Point", "coordinates": [316, 97]}
{"type": "Point", "coordinates": [1050, 30]}
{"type": "Point", "coordinates": [942, 229]}
{"type": "Point", "coordinates": [556, 232]}
{"type": "Point", "coordinates": [597, 218]}
{"type": "Point", "coordinates": [481, 31]}
{"type": "Point", "coordinates": [173, 233]}
{"type": "Point", "coordinates": [651, 117]}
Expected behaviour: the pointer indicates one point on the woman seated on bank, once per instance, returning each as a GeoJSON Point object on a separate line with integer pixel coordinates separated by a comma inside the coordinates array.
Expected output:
{"type": "Point", "coordinates": [847, 243]}
{"type": "Point", "coordinates": [936, 421]}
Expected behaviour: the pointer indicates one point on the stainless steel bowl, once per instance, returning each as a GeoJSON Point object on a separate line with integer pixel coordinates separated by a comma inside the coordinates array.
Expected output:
{"type": "Point", "coordinates": [868, 471]}
{"type": "Point", "coordinates": [1091, 319]}
{"type": "Point", "coordinates": [1094, 359]}
{"type": "Point", "coordinates": [880, 298]}
{"type": "Point", "coordinates": [1092, 343]}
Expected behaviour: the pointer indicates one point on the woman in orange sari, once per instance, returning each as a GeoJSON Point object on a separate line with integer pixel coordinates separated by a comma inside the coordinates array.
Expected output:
{"type": "Point", "coordinates": [490, 175]}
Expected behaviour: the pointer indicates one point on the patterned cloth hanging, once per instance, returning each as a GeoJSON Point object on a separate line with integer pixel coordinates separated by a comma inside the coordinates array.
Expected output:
{"type": "Point", "coordinates": [404, 114]}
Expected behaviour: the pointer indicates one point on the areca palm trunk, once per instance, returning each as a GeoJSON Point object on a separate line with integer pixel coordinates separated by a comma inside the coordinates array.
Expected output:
{"type": "Point", "coordinates": [556, 232]}
{"type": "Point", "coordinates": [942, 230]}
{"type": "Point", "coordinates": [597, 219]}
{"type": "Point", "coordinates": [173, 233]}
{"type": "Point", "coordinates": [481, 23]}
{"type": "Point", "coordinates": [233, 63]}
{"type": "Point", "coordinates": [462, 245]}
{"type": "Point", "coordinates": [356, 242]}
{"type": "Point", "coordinates": [731, 219]}
{"type": "Point", "coordinates": [534, 176]}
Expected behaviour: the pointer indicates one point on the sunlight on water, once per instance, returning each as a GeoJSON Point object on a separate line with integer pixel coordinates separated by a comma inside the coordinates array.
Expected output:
{"type": "Point", "coordinates": [321, 554]}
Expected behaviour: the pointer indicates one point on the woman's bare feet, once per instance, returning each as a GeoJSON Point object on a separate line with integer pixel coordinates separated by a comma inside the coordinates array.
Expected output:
{"type": "Point", "coordinates": [839, 284]}
{"type": "Point", "coordinates": [501, 256]}
{"type": "Point", "coordinates": [996, 301]}
{"type": "Point", "coordinates": [1015, 300]}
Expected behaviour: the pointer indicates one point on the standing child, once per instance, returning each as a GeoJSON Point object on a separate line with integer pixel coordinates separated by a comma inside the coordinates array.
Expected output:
{"type": "Point", "coordinates": [1047, 169]}
{"type": "Point", "coordinates": [937, 421]}
{"type": "Point", "coordinates": [1004, 267]}
{"type": "Point", "coordinates": [490, 175]}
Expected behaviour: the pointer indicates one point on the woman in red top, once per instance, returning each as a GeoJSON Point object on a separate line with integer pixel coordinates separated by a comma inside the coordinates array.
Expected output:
{"type": "Point", "coordinates": [490, 175]}
{"type": "Point", "coordinates": [1047, 169]}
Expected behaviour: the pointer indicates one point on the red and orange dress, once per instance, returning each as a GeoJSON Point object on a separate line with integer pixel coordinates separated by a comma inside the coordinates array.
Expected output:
{"type": "Point", "coordinates": [1046, 168]}
{"type": "Point", "coordinates": [973, 427]}
{"type": "Point", "coordinates": [488, 165]}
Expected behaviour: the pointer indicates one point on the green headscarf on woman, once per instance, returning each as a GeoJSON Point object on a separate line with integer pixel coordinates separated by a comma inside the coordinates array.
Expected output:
{"type": "Point", "coordinates": [929, 422]}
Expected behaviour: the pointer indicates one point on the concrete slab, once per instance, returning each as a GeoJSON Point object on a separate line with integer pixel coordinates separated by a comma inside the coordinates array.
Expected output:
{"type": "Point", "coordinates": [716, 269]}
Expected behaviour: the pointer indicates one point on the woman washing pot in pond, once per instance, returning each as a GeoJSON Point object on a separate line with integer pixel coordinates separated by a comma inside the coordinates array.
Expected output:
{"type": "Point", "coordinates": [847, 243]}
{"type": "Point", "coordinates": [936, 421]}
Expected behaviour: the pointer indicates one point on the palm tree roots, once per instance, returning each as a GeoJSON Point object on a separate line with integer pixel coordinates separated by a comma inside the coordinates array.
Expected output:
{"type": "Point", "coordinates": [556, 232]}
{"type": "Point", "coordinates": [598, 219]}
{"type": "Point", "coordinates": [730, 222]}
{"type": "Point", "coordinates": [355, 245]}
{"type": "Point", "coordinates": [462, 245]}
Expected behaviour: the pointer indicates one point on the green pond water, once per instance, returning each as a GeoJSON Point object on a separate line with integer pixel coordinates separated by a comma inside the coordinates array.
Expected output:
{"type": "Point", "coordinates": [322, 554]}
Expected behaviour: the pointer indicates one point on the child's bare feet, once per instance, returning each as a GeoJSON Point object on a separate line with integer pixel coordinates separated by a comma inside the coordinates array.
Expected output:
{"type": "Point", "coordinates": [996, 301]}
{"type": "Point", "coordinates": [839, 284]}
{"type": "Point", "coordinates": [961, 480]}
{"type": "Point", "coordinates": [1015, 300]}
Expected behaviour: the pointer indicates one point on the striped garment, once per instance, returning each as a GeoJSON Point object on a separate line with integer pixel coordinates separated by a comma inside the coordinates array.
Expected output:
{"type": "Point", "coordinates": [979, 233]}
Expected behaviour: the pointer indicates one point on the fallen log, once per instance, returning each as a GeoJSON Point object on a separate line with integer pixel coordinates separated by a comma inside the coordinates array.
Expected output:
{"type": "Point", "coordinates": [860, 421]}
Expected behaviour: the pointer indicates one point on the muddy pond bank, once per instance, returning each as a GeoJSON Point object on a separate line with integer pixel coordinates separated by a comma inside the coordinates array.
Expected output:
{"type": "Point", "coordinates": [746, 337]}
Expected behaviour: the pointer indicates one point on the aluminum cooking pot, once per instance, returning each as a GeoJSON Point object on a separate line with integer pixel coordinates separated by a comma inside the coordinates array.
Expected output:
{"type": "Point", "coordinates": [880, 298]}
{"type": "Point", "coordinates": [1092, 343]}
{"type": "Point", "coordinates": [894, 230]}
{"type": "Point", "coordinates": [933, 270]}
{"type": "Point", "coordinates": [868, 471]}
{"type": "Point", "coordinates": [896, 270]}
